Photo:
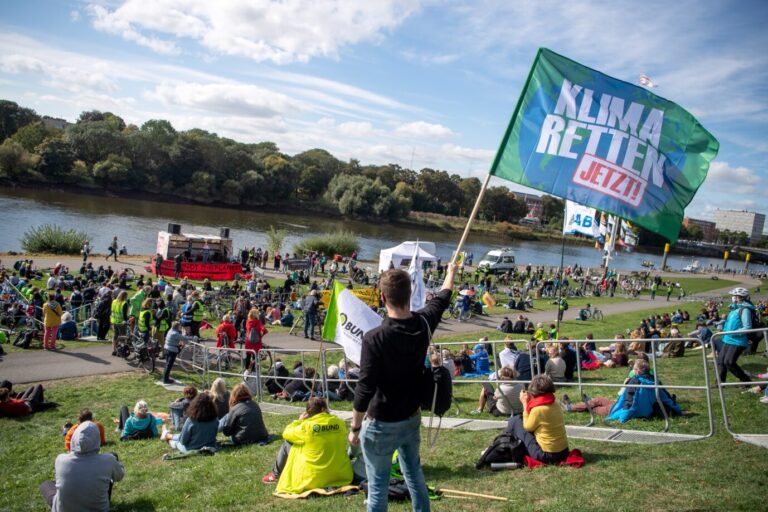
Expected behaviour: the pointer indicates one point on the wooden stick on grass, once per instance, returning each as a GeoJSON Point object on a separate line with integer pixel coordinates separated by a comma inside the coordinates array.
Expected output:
{"type": "Point", "coordinates": [474, 494]}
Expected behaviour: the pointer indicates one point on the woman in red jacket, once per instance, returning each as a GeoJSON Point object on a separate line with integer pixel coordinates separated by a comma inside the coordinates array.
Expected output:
{"type": "Point", "coordinates": [254, 332]}
{"type": "Point", "coordinates": [226, 328]}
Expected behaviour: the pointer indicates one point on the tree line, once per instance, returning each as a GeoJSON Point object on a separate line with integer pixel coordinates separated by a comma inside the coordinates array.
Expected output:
{"type": "Point", "coordinates": [101, 151]}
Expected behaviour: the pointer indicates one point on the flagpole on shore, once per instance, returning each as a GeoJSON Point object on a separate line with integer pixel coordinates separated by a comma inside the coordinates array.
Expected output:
{"type": "Point", "coordinates": [562, 260]}
{"type": "Point", "coordinates": [472, 217]}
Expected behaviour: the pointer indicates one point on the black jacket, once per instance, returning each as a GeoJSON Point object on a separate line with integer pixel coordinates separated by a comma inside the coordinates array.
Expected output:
{"type": "Point", "coordinates": [392, 363]}
{"type": "Point", "coordinates": [245, 423]}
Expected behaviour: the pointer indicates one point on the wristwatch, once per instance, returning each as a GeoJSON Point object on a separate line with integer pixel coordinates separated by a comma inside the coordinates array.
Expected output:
{"type": "Point", "coordinates": [355, 430]}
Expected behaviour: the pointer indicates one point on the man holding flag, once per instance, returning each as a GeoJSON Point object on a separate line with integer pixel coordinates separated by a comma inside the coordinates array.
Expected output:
{"type": "Point", "coordinates": [388, 392]}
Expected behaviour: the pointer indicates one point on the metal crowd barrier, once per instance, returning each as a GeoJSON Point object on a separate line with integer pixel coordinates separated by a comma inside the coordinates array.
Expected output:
{"type": "Point", "coordinates": [589, 431]}
{"type": "Point", "coordinates": [756, 439]}
{"type": "Point", "coordinates": [622, 435]}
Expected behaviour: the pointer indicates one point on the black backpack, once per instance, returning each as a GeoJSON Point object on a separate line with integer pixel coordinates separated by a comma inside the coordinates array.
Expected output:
{"type": "Point", "coordinates": [437, 389]}
{"type": "Point", "coordinates": [504, 448]}
{"type": "Point", "coordinates": [436, 385]}
{"type": "Point", "coordinates": [757, 323]}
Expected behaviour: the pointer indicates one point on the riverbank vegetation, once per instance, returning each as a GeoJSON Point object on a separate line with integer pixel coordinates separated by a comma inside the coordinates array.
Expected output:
{"type": "Point", "coordinates": [53, 239]}
{"type": "Point", "coordinates": [340, 242]}
{"type": "Point", "coordinates": [101, 151]}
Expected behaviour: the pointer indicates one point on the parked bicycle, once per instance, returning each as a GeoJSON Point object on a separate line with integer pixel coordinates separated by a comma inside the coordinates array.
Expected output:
{"type": "Point", "coordinates": [134, 350]}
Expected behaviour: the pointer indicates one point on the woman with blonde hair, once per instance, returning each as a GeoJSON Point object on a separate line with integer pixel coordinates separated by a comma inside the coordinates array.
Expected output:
{"type": "Point", "coordinates": [220, 397]}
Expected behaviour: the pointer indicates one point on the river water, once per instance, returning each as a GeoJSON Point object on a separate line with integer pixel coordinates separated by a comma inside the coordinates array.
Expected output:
{"type": "Point", "coordinates": [136, 223]}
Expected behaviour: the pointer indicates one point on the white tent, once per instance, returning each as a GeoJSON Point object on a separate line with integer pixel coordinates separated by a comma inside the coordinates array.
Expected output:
{"type": "Point", "coordinates": [404, 251]}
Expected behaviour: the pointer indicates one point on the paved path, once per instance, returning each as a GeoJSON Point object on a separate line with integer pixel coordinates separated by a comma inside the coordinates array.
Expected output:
{"type": "Point", "coordinates": [78, 361]}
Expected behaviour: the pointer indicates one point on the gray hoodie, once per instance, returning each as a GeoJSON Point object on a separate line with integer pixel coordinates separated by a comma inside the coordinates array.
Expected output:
{"type": "Point", "coordinates": [83, 476]}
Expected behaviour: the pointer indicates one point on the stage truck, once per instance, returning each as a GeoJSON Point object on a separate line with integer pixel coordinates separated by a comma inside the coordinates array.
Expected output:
{"type": "Point", "coordinates": [202, 256]}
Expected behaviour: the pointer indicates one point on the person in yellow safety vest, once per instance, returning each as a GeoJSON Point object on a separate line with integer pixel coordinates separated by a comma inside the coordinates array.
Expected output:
{"type": "Point", "coordinates": [119, 319]}
{"type": "Point", "coordinates": [145, 322]}
{"type": "Point", "coordinates": [540, 334]}
{"type": "Point", "coordinates": [162, 323]}
{"type": "Point", "coordinates": [313, 454]}
{"type": "Point", "coordinates": [198, 312]}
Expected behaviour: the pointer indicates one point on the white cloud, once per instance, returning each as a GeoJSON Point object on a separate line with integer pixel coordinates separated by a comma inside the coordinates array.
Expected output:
{"type": "Point", "coordinates": [226, 98]}
{"type": "Point", "coordinates": [281, 32]}
{"type": "Point", "coordinates": [739, 180]}
{"type": "Point", "coordinates": [356, 129]}
{"type": "Point", "coordinates": [424, 129]}
{"type": "Point", "coordinates": [74, 15]}
{"type": "Point", "coordinates": [456, 151]}
{"type": "Point", "coordinates": [107, 22]}
{"type": "Point", "coordinates": [71, 78]}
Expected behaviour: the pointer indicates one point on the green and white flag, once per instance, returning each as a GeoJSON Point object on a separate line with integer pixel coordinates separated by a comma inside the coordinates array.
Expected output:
{"type": "Point", "coordinates": [347, 320]}
{"type": "Point", "coordinates": [579, 134]}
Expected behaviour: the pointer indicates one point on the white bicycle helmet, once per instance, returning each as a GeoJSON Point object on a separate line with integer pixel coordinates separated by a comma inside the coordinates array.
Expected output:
{"type": "Point", "coordinates": [739, 292]}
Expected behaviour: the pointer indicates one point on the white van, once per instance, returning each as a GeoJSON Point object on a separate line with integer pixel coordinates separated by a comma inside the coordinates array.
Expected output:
{"type": "Point", "coordinates": [498, 260]}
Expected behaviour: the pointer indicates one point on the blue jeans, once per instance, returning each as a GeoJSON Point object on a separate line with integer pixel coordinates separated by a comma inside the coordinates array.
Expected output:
{"type": "Point", "coordinates": [379, 440]}
{"type": "Point", "coordinates": [309, 324]}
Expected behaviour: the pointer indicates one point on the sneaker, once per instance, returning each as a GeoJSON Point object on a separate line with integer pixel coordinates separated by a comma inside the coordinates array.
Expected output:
{"type": "Point", "coordinates": [566, 399]}
{"type": "Point", "coordinates": [475, 412]}
{"type": "Point", "coordinates": [762, 376]}
{"type": "Point", "coordinates": [269, 478]}
{"type": "Point", "coordinates": [764, 400]}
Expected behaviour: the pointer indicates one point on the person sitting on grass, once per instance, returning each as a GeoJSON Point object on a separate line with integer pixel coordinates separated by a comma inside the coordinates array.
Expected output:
{"type": "Point", "coordinates": [68, 328]}
{"type": "Point", "coordinates": [298, 389]}
{"type": "Point", "coordinates": [85, 415]}
{"type": "Point", "coordinates": [244, 422]}
{"type": "Point", "coordinates": [555, 366]}
{"type": "Point", "coordinates": [480, 358]}
{"type": "Point", "coordinates": [541, 428]}
{"type": "Point", "coordinates": [180, 405]}
{"type": "Point", "coordinates": [32, 400]}
{"type": "Point", "coordinates": [504, 400]}
{"type": "Point", "coordinates": [138, 425]}
{"type": "Point", "coordinates": [200, 428]}
{"type": "Point", "coordinates": [220, 397]}
{"type": "Point", "coordinates": [641, 402]}
{"type": "Point", "coordinates": [632, 402]}
{"type": "Point", "coordinates": [84, 477]}
{"type": "Point", "coordinates": [313, 454]}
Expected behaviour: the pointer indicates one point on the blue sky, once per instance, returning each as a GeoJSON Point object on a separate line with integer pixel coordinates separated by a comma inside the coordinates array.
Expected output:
{"type": "Point", "coordinates": [419, 83]}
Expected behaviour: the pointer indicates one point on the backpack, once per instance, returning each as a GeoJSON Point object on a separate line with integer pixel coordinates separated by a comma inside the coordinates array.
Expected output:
{"type": "Point", "coordinates": [436, 385]}
{"type": "Point", "coordinates": [241, 308]}
{"type": "Point", "coordinates": [437, 390]}
{"type": "Point", "coordinates": [757, 323]}
{"type": "Point", "coordinates": [254, 336]}
{"type": "Point", "coordinates": [504, 448]}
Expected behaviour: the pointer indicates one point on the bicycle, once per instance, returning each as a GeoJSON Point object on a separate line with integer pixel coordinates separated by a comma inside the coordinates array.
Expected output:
{"type": "Point", "coordinates": [133, 349]}
{"type": "Point", "coordinates": [593, 313]}
{"type": "Point", "coordinates": [226, 357]}
{"type": "Point", "coordinates": [191, 358]}
{"type": "Point", "coordinates": [456, 312]}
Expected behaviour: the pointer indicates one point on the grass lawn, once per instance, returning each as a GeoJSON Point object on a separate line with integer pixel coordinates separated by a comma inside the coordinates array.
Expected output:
{"type": "Point", "coordinates": [693, 476]}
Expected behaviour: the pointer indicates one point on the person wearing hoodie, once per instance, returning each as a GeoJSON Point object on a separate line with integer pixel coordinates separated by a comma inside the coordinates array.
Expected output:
{"type": "Point", "coordinates": [733, 345]}
{"type": "Point", "coordinates": [84, 477]}
{"type": "Point", "coordinates": [391, 368]}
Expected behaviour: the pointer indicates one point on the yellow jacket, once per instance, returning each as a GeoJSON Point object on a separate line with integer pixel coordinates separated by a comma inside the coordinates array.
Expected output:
{"type": "Point", "coordinates": [318, 456]}
{"type": "Point", "coordinates": [52, 314]}
{"type": "Point", "coordinates": [547, 423]}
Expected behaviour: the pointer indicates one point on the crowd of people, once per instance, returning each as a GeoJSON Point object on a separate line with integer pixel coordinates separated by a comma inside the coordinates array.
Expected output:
{"type": "Point", "coordinates": [317, 448]}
